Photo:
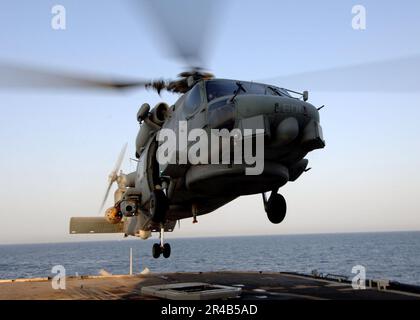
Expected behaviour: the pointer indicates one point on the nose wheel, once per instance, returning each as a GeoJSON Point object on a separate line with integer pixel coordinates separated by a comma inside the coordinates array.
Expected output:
{"type": "Point", "coordinates": [161, 248]}
{"type": "Point", "coordinates": [275, 207]}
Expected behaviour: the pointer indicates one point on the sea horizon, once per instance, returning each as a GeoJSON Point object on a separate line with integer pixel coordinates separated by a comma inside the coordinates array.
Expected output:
{"type": "Point", "coordinates": [130, 238]}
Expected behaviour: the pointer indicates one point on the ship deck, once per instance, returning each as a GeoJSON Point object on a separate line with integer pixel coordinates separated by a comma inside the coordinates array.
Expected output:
{"type": "Point", "coordinates": [255, 286]}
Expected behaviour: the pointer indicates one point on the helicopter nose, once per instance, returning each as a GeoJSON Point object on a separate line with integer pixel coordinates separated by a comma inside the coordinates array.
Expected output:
{"type": "Point", "coordinates": [312, 138]}
{"type": "Point", "coordinates": [284, 119]}
{"type": "Point", "coordinates": [306, 129]}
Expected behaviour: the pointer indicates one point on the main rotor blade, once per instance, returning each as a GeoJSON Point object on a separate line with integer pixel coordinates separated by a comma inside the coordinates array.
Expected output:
{"type": "Point", "coordinates": [185, 25]}
{"type": "Point", "coordinates": [16, 76]}
{"type": "Point", "coordinates": [396, 75]}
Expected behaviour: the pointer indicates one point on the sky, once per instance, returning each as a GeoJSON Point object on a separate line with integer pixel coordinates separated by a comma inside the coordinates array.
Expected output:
{"type": "Point", "coordinates": [58, 147]}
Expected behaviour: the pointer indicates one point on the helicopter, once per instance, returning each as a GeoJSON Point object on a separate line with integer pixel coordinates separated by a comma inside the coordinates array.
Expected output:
{"type": "Point", "coordinates": [157, 195]}
{"type": "Point", "coordinates": [283, 124]}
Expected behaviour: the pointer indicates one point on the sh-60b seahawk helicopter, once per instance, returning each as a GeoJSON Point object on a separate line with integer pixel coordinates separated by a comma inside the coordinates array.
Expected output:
{"type": "Point", "coordinates": [156, 196]}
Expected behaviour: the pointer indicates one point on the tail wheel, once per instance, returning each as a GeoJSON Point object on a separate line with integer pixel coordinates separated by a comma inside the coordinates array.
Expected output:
{"type": "Point", "coordinates": [158, 206]}
{"type": "Point", "coordinates": [276, 208]}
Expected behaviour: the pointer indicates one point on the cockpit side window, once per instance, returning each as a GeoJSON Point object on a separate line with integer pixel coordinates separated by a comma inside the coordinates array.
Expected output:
{"type": "Point", "coordinates": [255, 88]}
{"type": "Point", "coordinates": [192, 101]}
{"type": "Point", "coordinates": [220, 88]}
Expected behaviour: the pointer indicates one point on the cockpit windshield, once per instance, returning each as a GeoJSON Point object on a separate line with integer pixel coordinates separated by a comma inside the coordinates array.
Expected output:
{"type": "Point", "coordinates": [221, 88]}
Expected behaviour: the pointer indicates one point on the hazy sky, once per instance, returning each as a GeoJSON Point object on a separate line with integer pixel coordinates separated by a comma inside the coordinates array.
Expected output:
{"type": "Point", "coordinates": [57, 148]}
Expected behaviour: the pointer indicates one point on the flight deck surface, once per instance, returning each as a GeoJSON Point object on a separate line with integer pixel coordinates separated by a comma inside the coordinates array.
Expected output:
{"type": "Point", "coordinates": [254, 285]}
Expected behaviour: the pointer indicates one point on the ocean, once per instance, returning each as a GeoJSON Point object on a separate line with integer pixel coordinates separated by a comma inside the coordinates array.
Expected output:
{"type": "Point", "coordinates": [393, 256]}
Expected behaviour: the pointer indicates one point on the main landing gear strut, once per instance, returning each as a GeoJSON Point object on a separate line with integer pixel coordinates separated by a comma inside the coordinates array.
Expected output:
{"type": "Point", "coordinates": [158, 207]}
{"type": "Point", "coordinates": [162, 248]}
{"type": "Point", "coordinates": [275, 207]}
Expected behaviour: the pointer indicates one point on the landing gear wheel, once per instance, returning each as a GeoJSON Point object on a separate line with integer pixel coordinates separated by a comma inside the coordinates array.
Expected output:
{"type": "Point", "coordinates": [166, 250]}
{"type": "Point", "coordinates": [158, 206]}
{"type": "Point", "coordinates": [276, 208]}
{"type": "Point", "coordinates": [156, 250]}
{"type": "Point", "coordinates": [162, 248]}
